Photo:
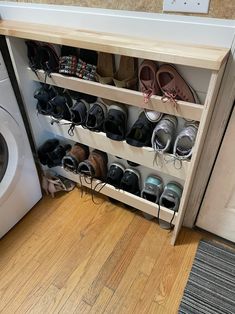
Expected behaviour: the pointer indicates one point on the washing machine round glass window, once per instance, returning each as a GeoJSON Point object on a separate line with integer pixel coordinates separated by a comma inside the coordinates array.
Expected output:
{"type": "Point", "coordinates": [3, 157]}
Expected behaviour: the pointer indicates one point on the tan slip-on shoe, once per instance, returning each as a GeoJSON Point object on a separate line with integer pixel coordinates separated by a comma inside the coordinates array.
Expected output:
{"type": "Point", "coordinates": [105, 68]}
{"type": "Point", "coordinates": [127, 74]}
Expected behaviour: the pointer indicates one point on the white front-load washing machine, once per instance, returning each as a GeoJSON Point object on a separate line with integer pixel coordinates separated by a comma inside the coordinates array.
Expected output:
{"type": "Point", "coordinates": [19, 183]}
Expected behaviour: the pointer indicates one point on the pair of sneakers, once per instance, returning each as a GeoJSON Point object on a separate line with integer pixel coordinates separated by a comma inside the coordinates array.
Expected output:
{"type": "Point", "coordinates": [80, 160]}
{"type": "Point", "coordinates": [109, 117]}
{"type": "Point", "coordinates": [168, 196]}
{"type": "Point", "coordinates": [165, 138]}
{"type": "Point", "coordinates": [164, 81]}
{"type": "Point", "coordinates": [55, 102]}
{"type": "Point", "coordinates": [51, 152]}
{"type": "Point", "coordinates": [125, 179]}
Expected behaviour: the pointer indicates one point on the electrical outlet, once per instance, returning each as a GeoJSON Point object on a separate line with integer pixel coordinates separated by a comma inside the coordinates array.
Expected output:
{"type": "Point", "coordinates": [190, 6]}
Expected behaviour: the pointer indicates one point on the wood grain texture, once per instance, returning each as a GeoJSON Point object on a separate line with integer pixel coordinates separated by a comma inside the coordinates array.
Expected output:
{"type": "Point", "coordinates": [69, 255]}
{"type": "Point", "coordinates": [211, 97]}
{"type": "Point", "coordinates": [191, 55]}
{"type": "Point", "coordinates": [216, 10]}
{"type": "Point", "coordinates": [122, 95]}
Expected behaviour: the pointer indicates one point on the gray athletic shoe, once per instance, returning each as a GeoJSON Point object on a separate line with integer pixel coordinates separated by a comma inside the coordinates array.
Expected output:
{"type": "Point", "coordinates": [164, 134]}
{"type": "Point", "coordinates": [185, 140]}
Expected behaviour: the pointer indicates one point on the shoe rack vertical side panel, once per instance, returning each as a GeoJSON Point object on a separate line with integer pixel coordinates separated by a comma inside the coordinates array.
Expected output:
{"type": "Point", "coordinates": [18, 53]}
{"type": "Point", "coordinates": [213, 89]}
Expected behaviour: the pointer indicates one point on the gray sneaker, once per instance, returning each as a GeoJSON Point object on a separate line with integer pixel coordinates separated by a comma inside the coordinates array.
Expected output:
{"type": "Point", "coordinates": [164, 134]}
{"type": "Point", "coordinates": [185, 140]}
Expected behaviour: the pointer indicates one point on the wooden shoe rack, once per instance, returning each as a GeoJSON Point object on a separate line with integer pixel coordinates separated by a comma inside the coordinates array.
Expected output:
{"type": "Point", "coordinates": [211, 59]}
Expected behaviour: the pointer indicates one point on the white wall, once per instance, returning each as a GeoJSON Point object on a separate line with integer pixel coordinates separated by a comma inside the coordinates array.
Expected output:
{"type": "Point", "coordinates": [187, 29]}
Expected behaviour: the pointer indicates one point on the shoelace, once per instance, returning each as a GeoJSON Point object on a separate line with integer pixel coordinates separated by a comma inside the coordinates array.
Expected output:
{"type": "Point", "coordinates": [171, 226]}
{"type": "Point", "coordinates": [158, 159]}
{"type": "Point", "coordinates": [147, 94]}
{"type": "Point", "coordinates": [177, 161]}
{"type": "Point", "coordinates": [170, 96]}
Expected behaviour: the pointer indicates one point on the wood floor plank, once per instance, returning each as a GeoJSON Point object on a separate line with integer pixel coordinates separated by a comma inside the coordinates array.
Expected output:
{"type": "Point", "coordinates": [82, 308]}
{"type": "Point", "coordinates": [45, 302]}
{"type": "Point", "coordinates": [102, 301]}
{"type": "Point", "coordinates": [69, 255]}
{"type": "Point", "coordinates": [115, 266]}
{"type": "Point", "coordinates": [105, 247]}
{"type": "Point", "coordinates": [163, 275]}
{"type": "Point", "coordinates": [149, 251]}
{"type": "Point", "coordinates": [172, 300]}
{"type": "Point", "coordinates": [50, 255]}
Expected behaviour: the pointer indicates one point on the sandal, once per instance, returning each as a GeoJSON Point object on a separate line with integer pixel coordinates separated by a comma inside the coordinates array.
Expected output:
{"type": "Point", "coordinates": [52, 183]}
{"type": "Point", "coordinates": [68, 61]}
{"type": "Point", "coordinates": [127, 74]}
{"type": "Point", "coordinates": [105, 68]}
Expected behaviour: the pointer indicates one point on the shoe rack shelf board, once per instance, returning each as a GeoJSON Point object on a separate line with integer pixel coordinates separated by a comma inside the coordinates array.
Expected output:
{"type": "Point", "coordinates": [171, 52]}
{"type": "Point", "coordinates": [210, 59]}
{"type": "Point", "coordinates": [122, 95]}
{"type": "Point", "coordinates": [122, 196]}
{"type": "Point", "coordinates": [144, 156]}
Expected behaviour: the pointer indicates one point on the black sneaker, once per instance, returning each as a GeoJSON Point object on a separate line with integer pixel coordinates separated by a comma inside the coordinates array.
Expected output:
{"type": "Point", "coordinates": [96, 116]}
{"type": "Point", "coordinates": [115, 123]}
{"type": "Point", "coordinates": [48, 58]}
{"type": "Point", "coordinates": [79, 112]}
{"type": "Point", "coordinates": [44, 95]}
{"type": "Point", "coordinates": [141, 132]}
{"type": "Point", "coordinates": [33, 55]}
{"type": "Point", "coordinates": [46, 148]}
{"type": "Point", "coordinates": [130, 182]}
{"type": "Point", "coordinates": [115, 174]}
{"type": "Point", "coordinates": [61, 107]}
{"type": "Point", "coordinates": [55, 157]}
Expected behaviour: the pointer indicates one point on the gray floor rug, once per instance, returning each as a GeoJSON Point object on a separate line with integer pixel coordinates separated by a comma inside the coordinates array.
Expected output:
{"type": "Point", "coordinates": [211, 285]}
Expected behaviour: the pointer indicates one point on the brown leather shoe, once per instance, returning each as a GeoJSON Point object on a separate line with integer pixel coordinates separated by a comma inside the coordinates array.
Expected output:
{"type": "Point", "coordinates": [95, 166]}
{"type": "Point", "coordinates": [173, 86]}
{"type": "Point", "coordinates": [77, 154]}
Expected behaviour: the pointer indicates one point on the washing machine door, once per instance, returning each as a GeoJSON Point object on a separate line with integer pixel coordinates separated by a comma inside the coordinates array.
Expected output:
{"type": "Point", "coordinates": [11, 154]}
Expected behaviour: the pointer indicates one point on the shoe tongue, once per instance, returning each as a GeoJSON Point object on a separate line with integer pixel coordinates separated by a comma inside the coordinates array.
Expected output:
{"type": "Point", "coordinates": [147, 85]}
{"type": "Point", "coordinates": [170, 86]}
{"type": "Point", "coordinates": [87, 169]}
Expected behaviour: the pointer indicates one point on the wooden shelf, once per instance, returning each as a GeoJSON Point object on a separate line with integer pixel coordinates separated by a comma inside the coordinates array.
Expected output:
{"type": "Point", "coordinates": [122, 95]}
{"type": "Point", "coordinates": [122, 196]}
{"type": "Point", "coordinates": [144, 156]}
{"type": "Point", "coordinates": [191, 55]}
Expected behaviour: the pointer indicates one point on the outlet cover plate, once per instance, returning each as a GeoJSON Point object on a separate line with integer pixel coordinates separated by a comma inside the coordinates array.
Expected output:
{"type": "Point", "coordinates": [190, 6]}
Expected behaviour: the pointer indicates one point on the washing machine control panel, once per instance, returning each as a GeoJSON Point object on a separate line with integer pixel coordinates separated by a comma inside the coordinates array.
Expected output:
{"type": "Point", "coordinates": [3, 70]}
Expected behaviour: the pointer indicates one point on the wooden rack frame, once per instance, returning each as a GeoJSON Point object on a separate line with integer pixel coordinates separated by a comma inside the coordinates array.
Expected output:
{"type": "Point", "coordinates": [211, 58]}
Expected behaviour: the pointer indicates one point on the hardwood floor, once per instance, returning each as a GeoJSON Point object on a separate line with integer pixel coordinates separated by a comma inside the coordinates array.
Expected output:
{"type": "Point", "coordinates": [69, 255]}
